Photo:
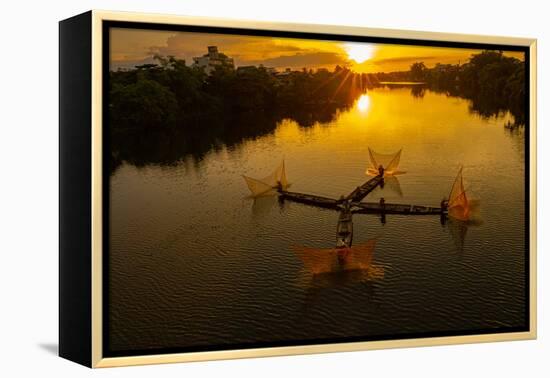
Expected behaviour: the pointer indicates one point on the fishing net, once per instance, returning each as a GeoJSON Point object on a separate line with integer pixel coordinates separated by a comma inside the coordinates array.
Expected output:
{"type": "Point", "coordinates": [282, 177]}
{"type": "Point", "coordinates": [325, 260]}
{"type": "Point", "coordinates": [317, 260]}
{"type": "Point", "coordinates": [258, 187]}
{"type": "Point", "coordinates": [268, 184]}
{"type": "Point", "coordinates": [390, 162]}
{"type": "Point", "coordinates": [360, 257]}
{"type": "Point", "coordinates": [459, 227]}
{"type": "Point", "coordinates": [459, 207]}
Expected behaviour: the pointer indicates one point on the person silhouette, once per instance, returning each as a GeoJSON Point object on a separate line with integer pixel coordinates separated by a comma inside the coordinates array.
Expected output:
{"type": "Point", "coordinates": [444, 205]}
{"type": "Point", "coordinates": [381, 170]}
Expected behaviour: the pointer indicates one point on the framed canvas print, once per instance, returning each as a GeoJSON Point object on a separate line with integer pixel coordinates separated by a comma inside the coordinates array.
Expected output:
{"type": "Point", "coordinates": [235, 189]}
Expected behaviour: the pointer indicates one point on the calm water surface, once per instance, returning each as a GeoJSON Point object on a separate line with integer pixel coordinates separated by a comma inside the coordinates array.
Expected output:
{"type": "Point", "coordinates": [195, 263]}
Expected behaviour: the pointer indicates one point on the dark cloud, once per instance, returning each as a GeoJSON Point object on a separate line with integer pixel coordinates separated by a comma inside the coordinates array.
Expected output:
{"type": "Point", "coordinates": [242, 49]}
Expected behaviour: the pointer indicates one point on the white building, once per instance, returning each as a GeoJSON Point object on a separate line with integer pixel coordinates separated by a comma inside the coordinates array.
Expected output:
{"type": "Point", "coordinates": [213, 59]}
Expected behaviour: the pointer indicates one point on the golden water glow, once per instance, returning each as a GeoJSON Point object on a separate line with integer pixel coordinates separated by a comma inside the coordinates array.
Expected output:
{"type": "Point", "coordinates": [363, 104]}
{"type": "Point", "coordinates": [394, 119]}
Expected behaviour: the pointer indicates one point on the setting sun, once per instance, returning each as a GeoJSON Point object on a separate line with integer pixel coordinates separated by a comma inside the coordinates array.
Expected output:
{"type": "Point", "coordinates": [359, 52]}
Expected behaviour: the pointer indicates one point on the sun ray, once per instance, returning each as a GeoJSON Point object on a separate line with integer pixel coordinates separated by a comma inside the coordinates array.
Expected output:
{"type": "Point", "coordinates": [326, 82]}
{"type": "Point", "coordinates": [344, 79]}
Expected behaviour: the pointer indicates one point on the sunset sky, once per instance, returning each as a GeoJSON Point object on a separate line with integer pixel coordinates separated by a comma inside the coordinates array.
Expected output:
{"type": "Point", "coordinates": [130, 47]}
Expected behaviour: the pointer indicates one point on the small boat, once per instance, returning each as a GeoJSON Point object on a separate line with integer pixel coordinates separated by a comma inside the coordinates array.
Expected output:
{"type": "Point", "coordinates": [310, 199]}
{"type": "Point", "coordinates": [344, 229]}
{"type": "Point", "coordinates": [394, 208]}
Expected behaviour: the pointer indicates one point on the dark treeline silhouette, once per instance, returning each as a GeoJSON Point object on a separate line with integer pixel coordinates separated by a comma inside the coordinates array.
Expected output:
{"type": "Point", "coordinates": [171, 94]}
{"type": "Point", "coordinates": [160, 113]}
{"type": "Point", "coordinates": [493, 82]}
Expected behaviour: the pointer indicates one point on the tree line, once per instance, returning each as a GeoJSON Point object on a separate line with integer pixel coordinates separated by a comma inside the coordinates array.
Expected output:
{"type": "Point", "coordinates": [492, 81]}
{"type": "Point", "coordinates": [158, 112]}
{"type": "Point", "coordinates": [171, 94]}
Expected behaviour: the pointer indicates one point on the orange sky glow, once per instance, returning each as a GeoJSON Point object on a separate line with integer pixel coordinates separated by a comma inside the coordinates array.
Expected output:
{"type": "Point", "coordinates": [131, 47]}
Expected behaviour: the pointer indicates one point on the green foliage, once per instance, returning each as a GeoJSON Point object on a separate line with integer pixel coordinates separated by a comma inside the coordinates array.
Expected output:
{"type": "Point", "coordinates": [418, 71]}
{"type": "Point", "coordinates": [143, 104]}
{"type": "Point", "coordinates": [159, 96]}
{"type": "Point", "coordinates": [493, 82]}
{"type": "Point", "coordinates": [158, 112]}
{"type": "Point", "coordinates": [141, 98]}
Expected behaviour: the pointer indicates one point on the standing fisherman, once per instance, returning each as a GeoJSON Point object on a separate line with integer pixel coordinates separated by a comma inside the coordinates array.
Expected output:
{"type": "Point", "coordinates": [381, 170]}
{"type": "Point", "coordinates": [444, 205]}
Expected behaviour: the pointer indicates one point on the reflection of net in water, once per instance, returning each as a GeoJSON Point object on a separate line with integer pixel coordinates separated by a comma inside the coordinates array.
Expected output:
{"type": "Point", "coordinates": [263, 205]}
{"type": "Point", "coordinates": [267, 185]}
{"type": "Point", "coordinates": [390, 163]}
{"type": "Point", "coordinates": [459, 228]}
{"type": "Point", "coordinates": [329, 260]}
{"type": "Point", "coordinates": [392, 183]}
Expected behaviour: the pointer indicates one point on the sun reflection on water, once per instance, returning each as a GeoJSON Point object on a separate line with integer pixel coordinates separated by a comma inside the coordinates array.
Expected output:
{"type": "Point", "coordinates": [363, 103]}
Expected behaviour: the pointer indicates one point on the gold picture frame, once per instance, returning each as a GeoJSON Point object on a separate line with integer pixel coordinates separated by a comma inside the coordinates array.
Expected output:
{"type": "Point", "coordinates": [92, 327]}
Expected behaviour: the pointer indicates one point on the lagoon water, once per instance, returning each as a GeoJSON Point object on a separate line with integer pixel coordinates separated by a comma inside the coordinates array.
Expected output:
{"type": "Point", "coordinates": [194, 263]}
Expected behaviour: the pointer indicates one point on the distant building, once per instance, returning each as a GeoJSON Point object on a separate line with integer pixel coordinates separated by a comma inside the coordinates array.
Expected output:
{"type": "Point", "coordinates": [213, 59]}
